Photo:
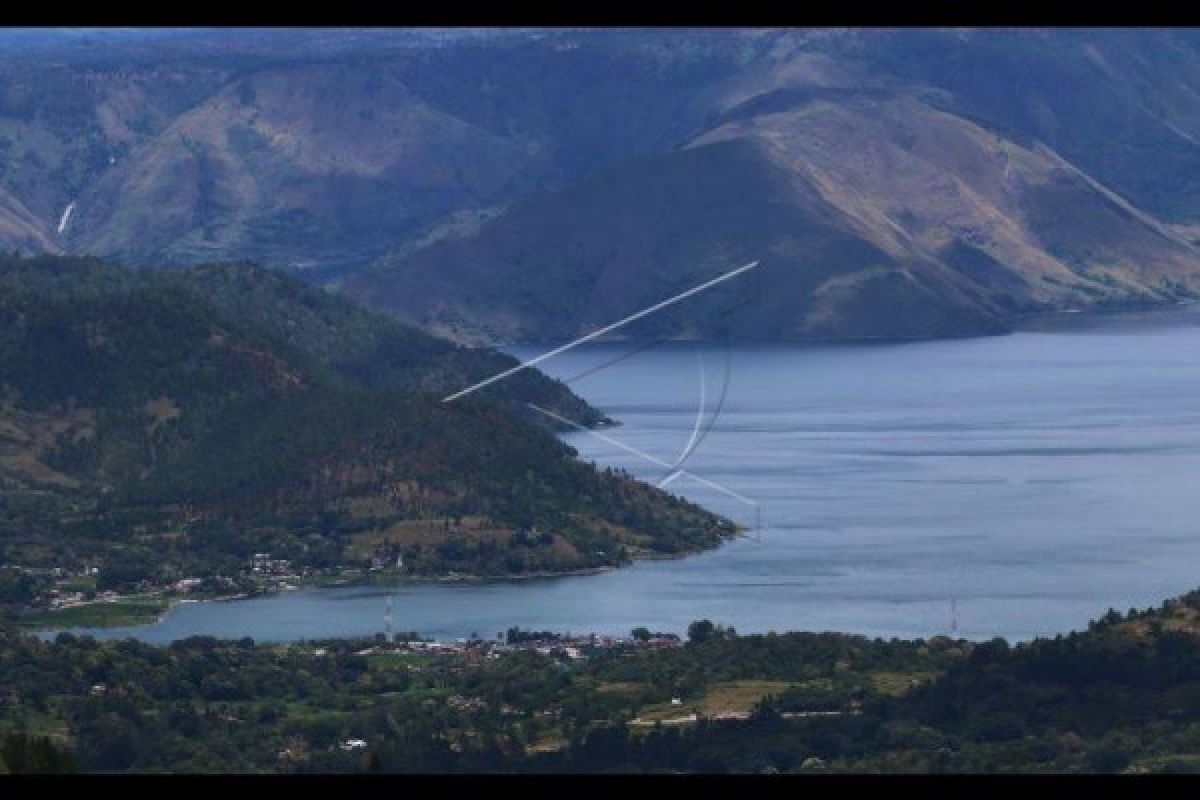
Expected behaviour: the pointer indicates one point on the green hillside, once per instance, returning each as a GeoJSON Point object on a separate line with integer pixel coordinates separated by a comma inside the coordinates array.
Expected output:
{"type": "Point", "coordinates": [1120, 697]}
{"type": "Point", "coordinates": [358, 347]}
{"type": "Point", "coordinates": [160, 429]}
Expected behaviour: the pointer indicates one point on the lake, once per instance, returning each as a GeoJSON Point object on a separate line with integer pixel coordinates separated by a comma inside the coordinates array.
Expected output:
{"type": "Point", "coordinates": [1014, 486]}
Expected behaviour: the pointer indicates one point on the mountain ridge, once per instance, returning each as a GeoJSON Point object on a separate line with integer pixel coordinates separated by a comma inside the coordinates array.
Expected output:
{"type": "Point", "coordinates": [999, 172]}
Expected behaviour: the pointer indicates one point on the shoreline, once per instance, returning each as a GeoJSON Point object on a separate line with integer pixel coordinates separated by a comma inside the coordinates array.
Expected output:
{"type": "Point", "coordinates": [1022, 322]}
{"type": "Point", "coordinates": [360, 582]}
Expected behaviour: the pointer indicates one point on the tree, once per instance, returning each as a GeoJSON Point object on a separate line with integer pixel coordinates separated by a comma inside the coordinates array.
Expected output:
{"type": "Point", "coordinates": [16, 586]}
{"type": "Point", "coordinates": [22, 753]}
{"type": "Point", "coordinates": [126, 572]}
{"type": "Point", "coordinates": [1107, 758]}
{"type": "Point", "coordinates": [701, 631]}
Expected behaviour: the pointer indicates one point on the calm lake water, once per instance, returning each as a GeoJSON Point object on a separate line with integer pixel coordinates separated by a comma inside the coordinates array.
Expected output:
{"type": "Point", "coordinates": [1029, 481]}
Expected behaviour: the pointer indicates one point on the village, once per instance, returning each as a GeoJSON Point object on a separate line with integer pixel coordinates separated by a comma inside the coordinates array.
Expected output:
{"type": "Point", "coordinates": [264, 573]}
{"type": "Point", "coordinates": [564, 647]}
{"type": "Point", "coordinates": [61, 588]}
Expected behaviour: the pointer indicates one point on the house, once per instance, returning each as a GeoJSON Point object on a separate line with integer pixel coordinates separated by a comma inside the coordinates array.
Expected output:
{"type": "Point", "coordinates": [263, 563]}
{"type": "Point", "coordinates": [661, 643]}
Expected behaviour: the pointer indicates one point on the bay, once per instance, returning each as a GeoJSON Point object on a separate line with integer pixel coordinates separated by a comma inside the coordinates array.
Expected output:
{"type": "Point", "coordinates": [1006, 486]}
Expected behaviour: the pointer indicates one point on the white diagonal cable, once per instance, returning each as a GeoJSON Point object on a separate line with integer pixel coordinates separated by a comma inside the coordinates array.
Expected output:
{"type": "Point", "coordinates": [687, 448]}
{"type": "Point", "coordinates": [645, 456]}
{"type": "Point", "coordinates": [606, 329]}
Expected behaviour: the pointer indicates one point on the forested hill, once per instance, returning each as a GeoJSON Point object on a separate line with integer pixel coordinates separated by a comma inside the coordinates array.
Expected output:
{"type": "Point", "coordinates": [360, 347]}
{"type": "Point", "coordinates": [157, 423]}
{"type": "Point", "coordinates": [1119, 697]}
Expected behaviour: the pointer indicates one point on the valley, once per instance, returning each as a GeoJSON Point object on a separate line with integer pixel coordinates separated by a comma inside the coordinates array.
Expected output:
{"type": "Point", "coordinates": [656, 401]}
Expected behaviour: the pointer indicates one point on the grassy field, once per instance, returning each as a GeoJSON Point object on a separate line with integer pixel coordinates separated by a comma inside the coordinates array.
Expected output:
{"type": "Point", "coordinates": [307, 712]}
{"type": "Point", "coordinates": [898, 683]}
{"type": "Point", "coordinates": [98, 615]}
{"type": "Point", "coordinates": [620, 687]}
{"type": "Point", "coordinates": [721, 698]}
{"type": "Point", "coordinates": [80, 583]}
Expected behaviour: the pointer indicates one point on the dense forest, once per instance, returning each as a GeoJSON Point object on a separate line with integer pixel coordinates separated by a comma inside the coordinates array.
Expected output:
{"type": "Point", "coordinates": [1121, 696]}
{"type": "Point", "coordinates": [165, 426]}
{"type": "Point", "coordinates": [361, 348]}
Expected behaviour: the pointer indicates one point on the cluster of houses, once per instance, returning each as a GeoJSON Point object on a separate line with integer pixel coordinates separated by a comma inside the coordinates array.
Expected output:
{"type": "Point", "coordinates": [64, 593]}
{"type": "Point", "coordinates": [50, 572]}
{"type": "Point", "coordinates": [565, 648]}
{"type": "Point", "coordinates": [381, 561]}
{"type": "Point", "coordinates": [56, 598]}
{"type": "Point", "coordinates": [263, 564]}
{"type": "Point", "coordinates": [60, 594]}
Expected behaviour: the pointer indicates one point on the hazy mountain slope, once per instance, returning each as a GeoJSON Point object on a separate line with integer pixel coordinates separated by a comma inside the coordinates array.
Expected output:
{"type": "Point", "coordinates": [876, 209]}
{"type": "Point", "coordinates": [1121, 104]}
{"type": "Point", "coordinates": [21, 229]}
{"type": "Point", "coordinates": [647, 230]}
{"type": "Point", "coordinates": [927, 182]}
{"type": "Point", "coordinates": [584, 98]}
{"type": "Point", "coordinates": [63, 125]}
{"type": "Point", "coordinates": [872, 218]}
{"type": "Point", "coordinates": [986, 172]}
{"type": "Point", "coordinates": [330, 161]}
{"type": "Point", "coordinates": [327, 148]}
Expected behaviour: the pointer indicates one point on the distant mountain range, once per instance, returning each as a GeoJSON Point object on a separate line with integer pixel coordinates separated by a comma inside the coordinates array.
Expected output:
{"type": "Point", "coordinates": [530, 185]}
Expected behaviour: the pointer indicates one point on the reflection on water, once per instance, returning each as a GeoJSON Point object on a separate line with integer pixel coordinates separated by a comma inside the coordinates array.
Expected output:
{"type": "Point", "coordinates": [1036, 479]}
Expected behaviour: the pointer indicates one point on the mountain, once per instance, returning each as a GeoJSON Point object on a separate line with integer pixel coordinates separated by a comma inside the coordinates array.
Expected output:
{"type": "Point", "coordinates": [298, 165]}
{"type": "Point", "coordinates": [318, 149]}
{"type": "Point", "coordinates": [365, 350]}
{"type": "Point", "coordinates": [21, 229]}
{"type": "Point", "coordinates": [531, 184]}
{"type": "Point", "coordinates": [880, 204]}
{"type": "Point", "coordinates": [645, 231]}
{"type": "Point", "coordinates": [151, 419]}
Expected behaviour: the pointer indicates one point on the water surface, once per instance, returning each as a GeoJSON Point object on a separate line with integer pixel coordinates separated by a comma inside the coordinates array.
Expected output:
{"type": "Point", "coordinates": [1031, 481]}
